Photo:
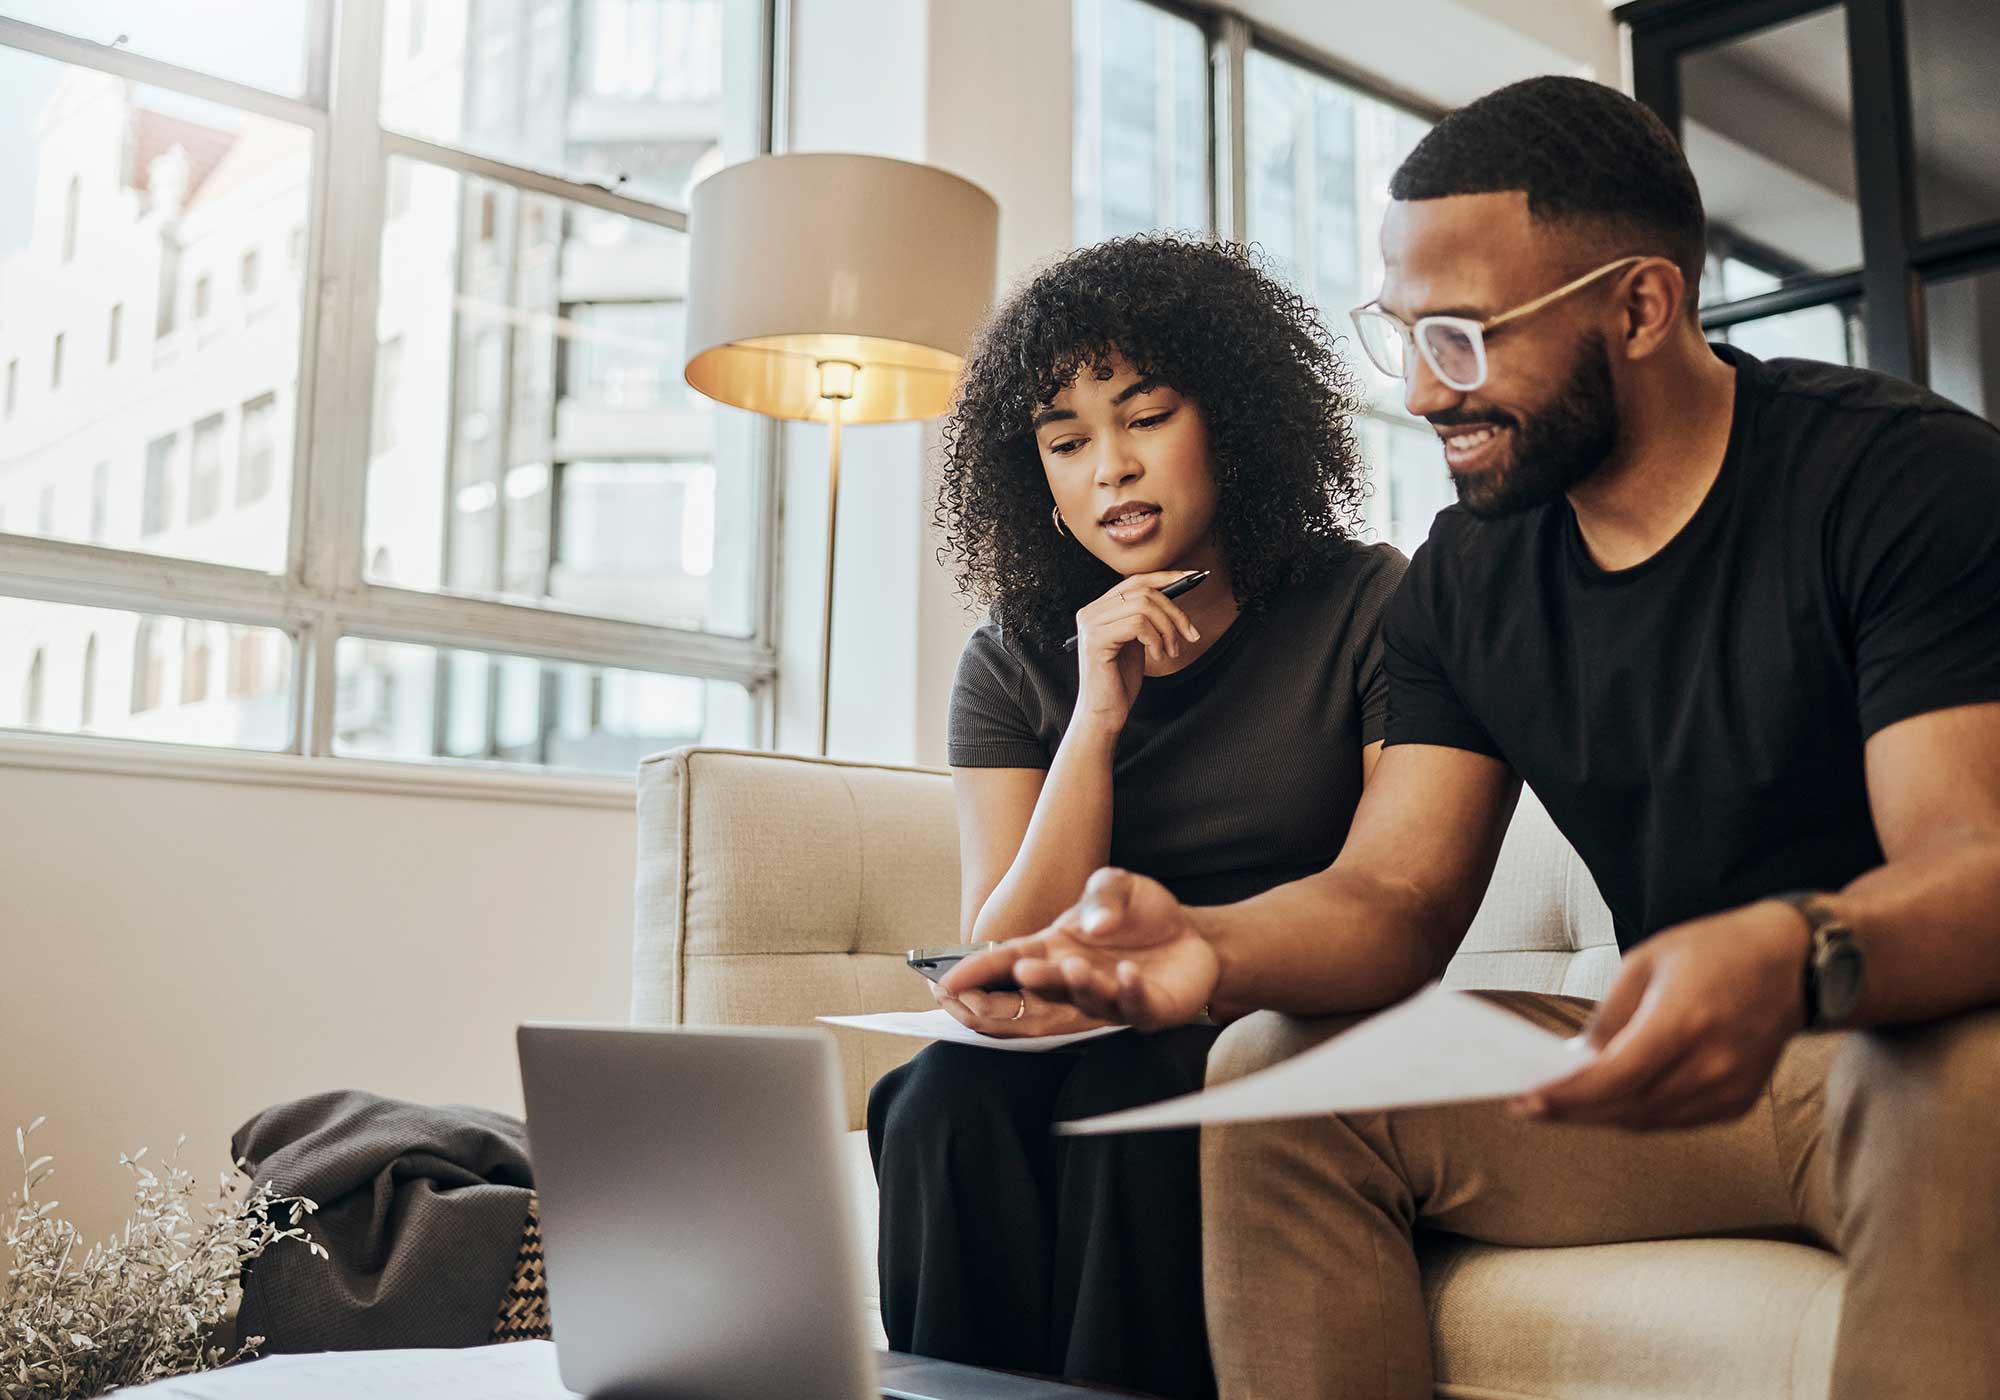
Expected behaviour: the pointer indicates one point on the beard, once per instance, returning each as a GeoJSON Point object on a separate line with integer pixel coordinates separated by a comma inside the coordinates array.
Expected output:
{"type": "Point", "coordinates": [1554, 451]}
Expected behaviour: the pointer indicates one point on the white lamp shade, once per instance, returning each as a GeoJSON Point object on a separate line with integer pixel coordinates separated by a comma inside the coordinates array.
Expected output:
{"type": "Point", "coordinates": [796, 259]}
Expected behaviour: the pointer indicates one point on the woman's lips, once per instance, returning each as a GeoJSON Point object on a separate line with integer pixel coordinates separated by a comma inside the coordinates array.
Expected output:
{"type": "Point", "coordinates": [1133, 525]}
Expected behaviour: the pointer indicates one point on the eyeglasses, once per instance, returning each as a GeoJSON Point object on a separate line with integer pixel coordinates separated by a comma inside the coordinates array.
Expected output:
{"type": "Point", "coordinates": [1453, 346]}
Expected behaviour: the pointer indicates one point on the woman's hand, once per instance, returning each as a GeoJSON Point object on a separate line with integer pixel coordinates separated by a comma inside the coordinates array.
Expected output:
{"type": "Point", "coordinates": [1116, 636]}
{"type": "Point", "coordinates": [993, 1013]}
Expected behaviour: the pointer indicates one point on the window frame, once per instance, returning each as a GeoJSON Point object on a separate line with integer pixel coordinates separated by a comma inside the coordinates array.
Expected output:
{"type": "Point", "coordinates": [322, 593]}
{"type": "Point", "coordinates": [1899, 262]}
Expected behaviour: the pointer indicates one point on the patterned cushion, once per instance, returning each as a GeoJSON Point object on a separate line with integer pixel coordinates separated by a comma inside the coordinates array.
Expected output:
{"type": "Point", "coordinates": [524, 1310]}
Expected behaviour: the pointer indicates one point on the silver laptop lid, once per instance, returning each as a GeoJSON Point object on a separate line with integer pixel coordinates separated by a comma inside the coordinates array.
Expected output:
{"type": "Point", "coordinates": [694, 1221]}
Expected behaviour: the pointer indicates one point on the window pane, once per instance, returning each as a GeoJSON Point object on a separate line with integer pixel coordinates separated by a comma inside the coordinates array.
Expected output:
{"type": "Point", "coordinates": [1768, 125]}
{"type": "Point", "coordinates": [258, 42]}
{"type": "Point", "coordinates": [76, 670]}
{"type": "Point", "coordinates": [642, 96]}
{"type": "Point", "coordinates": [536, 378]}
{"type": "Point", "coordinates": [1320, 158]}
{"type": "Point", "coordinates": [1956, 110]}
{"type": "Point", "coordinates": [402, 701]}
{"type": "Point", "coordinates": [1963, 320]}
{"type": "Point", "coordinates": [1141, 121]}
{"type": "Point", "coordinates": [1836, 334]}
{"type": "Point", "coordinates": [1411, 483]}
{"type": "Point", "coordinates": [171, 194]}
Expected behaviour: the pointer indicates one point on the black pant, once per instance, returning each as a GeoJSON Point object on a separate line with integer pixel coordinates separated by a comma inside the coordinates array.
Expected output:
{"type": "Point", "coordinates": [1005, 1245]}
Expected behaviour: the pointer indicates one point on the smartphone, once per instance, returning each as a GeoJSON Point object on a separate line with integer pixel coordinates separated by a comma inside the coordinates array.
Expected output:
{"type": "Point", "coordinates": [934, 963]}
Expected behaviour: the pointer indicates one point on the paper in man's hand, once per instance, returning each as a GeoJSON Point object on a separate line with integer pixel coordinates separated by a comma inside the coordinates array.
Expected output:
{"type": "Point", "coordinates": [1437, 1047]}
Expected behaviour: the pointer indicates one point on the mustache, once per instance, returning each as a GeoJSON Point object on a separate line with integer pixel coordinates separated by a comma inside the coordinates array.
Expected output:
{"type": "Point", "coordinates": [1463, 419]}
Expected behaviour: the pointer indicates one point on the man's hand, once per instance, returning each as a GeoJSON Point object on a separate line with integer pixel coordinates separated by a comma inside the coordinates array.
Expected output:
{"type": "Point", "coordinates": [1693, 1026]}
{"type": "Point", "coordinates": [1127, 952]}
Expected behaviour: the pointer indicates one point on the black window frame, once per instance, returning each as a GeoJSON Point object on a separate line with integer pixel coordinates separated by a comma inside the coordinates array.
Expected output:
{"type": "Point", "coordinates": [1898, 261]}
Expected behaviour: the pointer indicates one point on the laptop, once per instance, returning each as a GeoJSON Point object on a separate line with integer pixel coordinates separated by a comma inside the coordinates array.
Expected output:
{"type": "Point", "coordinates": [696, 1230]}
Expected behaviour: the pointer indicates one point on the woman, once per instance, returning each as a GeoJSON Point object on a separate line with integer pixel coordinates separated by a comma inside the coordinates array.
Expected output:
{"type": "Point", "coordinates": [1144, 408]}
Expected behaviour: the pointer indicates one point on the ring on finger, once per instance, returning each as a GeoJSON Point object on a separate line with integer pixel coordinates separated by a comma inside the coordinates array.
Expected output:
{"type": "Point", "coordinates": [1023, 1010]}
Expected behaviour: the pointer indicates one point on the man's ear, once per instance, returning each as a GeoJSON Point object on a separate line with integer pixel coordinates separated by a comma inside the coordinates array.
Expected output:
{"type": "Point", "coordinates": [1651, 303]}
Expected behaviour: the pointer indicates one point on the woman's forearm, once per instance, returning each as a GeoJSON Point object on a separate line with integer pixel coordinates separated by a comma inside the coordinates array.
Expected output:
{"type": "Point", "coordinates": [1068, 837]}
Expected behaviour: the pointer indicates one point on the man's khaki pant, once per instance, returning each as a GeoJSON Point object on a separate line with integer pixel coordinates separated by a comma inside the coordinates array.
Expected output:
{"type": "Point", "coordinates": [1882, 1145]}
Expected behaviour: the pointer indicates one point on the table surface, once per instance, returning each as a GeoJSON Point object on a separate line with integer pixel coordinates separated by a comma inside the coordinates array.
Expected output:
{"type": "Point", "coordinates": [526, 1371]}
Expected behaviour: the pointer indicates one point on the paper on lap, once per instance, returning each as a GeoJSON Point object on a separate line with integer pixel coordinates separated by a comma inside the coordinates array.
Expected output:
{"type": "Point", "coordinates": [1438, 1047]}
{"type": "Point", "coordinates": [939, 1025]}
{"type": "Point", "coordinates": [514, 1371]}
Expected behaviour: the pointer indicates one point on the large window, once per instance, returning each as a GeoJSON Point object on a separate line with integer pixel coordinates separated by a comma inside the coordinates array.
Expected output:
{"type": "Point", "coordinates": [405, 391]}
{"type": "Point", "coordinates": [1319, 154]}
{"type": "Point", "coordinates": [1141, 121]}
{"type": "Point", "coordinates": [1842, 152]}
{"type": "Point", "coordinates": [1216, 127]}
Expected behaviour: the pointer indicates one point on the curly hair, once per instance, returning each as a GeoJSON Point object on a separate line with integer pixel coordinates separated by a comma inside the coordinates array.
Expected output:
{"type": "Point", "coordinates": [1208, 320]}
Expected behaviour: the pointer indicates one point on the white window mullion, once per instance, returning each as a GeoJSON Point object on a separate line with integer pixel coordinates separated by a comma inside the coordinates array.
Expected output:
{"type": "Point", "coordinates": [58, 571]}
{"type": "Point", "coordinates": [526, 177]}
{"type": "Point", "coordinates": [1231, 145]}
{"type": "Point", "coordinates": [334, 441]}
{"type": "Point", "coordinates": [153, 72]}
{"type": "Point", "coordinates": [406, 615]}
{"type": "Point", "coordinates": [319, 54]}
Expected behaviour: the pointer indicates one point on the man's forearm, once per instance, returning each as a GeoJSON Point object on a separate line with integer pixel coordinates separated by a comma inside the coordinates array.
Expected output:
{"type": "Point", "coordinates": [1337, 942]}
{"type": "Point", "coordinates": [1929, 927]}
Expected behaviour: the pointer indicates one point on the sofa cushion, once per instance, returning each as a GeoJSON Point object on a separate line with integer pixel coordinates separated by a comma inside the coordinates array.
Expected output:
{"type": "Point", "coordinates": [773, 889]}
{"type": "Point", "coordinates": [1542, 926]}
{"type": "Point", "coordinates": [1749, 1319]}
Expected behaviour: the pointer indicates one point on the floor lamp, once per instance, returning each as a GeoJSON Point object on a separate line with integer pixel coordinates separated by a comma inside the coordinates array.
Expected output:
{"type": "Point", "coordinates": [840, 289]}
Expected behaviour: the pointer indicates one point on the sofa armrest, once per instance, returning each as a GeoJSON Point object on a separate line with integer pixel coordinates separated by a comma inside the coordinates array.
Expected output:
{"type": "Point", "coordinates": [773, 889]}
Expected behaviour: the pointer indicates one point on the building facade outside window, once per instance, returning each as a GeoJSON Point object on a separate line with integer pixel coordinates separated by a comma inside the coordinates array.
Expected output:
{"type": "Point", "coordinates": [531, 161]}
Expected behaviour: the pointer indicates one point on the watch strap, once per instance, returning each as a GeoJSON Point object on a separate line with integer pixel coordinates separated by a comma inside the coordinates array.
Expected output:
{"type": "Point", "coordinates": [1811, 907]}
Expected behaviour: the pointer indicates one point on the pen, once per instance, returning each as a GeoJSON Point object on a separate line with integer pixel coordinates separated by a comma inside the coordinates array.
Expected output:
{"type": "Point", "coordinates": [1173, 590]}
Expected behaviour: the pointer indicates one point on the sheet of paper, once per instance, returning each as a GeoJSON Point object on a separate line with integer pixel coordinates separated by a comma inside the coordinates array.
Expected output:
{"type": "Point", "coordinates": [1437, 1047]}
{"type": "Point", "coordinates": [938, 1025]}
{"type": "Point", "coordinates": [510, 1371]}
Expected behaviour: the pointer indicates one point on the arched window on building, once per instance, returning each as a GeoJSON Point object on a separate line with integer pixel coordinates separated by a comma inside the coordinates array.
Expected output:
{"type": "Point", "coordinates": [72, 209]}
{"type": "Point", "coordinates": [88, 710]}
{"type": "Point", "coordinates": [31, 696]}
{"type": "Point", "coordinates": [149, 667]}
{"type": "Point", "coordinates": [253, 663]}
{"type": "Point", "coordinates": [195, 657]}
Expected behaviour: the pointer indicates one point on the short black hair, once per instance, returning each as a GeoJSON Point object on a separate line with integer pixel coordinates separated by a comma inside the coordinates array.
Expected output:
{"type": "Point", "coordinates": [1213, 322]}
{"type": "Point", "coordinates": [1579, 151]}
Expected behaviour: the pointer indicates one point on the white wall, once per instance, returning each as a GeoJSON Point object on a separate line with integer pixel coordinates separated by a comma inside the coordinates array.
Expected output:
{"type": "Point", "coordinates": [1451, 51]}
{"type": "Point", "coordinates": [178, 952]}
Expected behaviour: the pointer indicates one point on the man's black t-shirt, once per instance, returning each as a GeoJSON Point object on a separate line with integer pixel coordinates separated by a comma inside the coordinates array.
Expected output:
{"type": "Point", "coordinates": [1695, 724]}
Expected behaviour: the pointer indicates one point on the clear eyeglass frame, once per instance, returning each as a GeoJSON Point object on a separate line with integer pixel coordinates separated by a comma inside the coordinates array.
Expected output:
{"type": "Point", "coordinates": [1454, 347]}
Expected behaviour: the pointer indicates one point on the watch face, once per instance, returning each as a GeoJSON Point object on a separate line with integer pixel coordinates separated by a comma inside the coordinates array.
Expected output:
{"type": "Point", "coordinates": [1839, 980]}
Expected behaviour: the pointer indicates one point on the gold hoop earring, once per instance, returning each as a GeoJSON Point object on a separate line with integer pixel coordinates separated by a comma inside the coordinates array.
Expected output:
{"type": "Point", "coordinates": [1055, 514]}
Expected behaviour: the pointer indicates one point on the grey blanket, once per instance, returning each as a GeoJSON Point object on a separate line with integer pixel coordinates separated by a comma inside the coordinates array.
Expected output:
{"type": "Point", "coordinates": [420, 1208]}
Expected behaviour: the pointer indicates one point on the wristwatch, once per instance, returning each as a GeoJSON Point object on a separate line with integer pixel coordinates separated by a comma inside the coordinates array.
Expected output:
{"type": "Point", "coordinates": [1833, 964]}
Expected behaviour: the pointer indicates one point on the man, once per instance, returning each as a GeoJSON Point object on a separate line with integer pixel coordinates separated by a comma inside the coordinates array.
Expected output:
{"type": "Point", "coordinates": [1738, 625]}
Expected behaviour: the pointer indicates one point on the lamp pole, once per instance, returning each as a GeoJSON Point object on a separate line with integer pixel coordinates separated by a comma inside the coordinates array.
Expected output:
{"type": "Point", "coordinates": [836, 387]}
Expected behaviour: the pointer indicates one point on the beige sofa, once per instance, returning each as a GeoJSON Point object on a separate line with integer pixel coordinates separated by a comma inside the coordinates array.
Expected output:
{"type": "Point", "coordinates": [775, 889]}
